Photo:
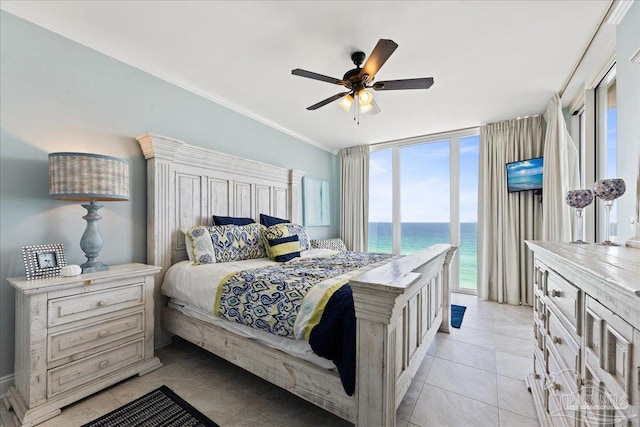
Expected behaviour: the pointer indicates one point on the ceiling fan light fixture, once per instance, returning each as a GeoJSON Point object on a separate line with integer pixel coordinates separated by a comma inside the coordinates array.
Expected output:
{"type": "Point", "coordinates": [365, 97]}
{"type": "Point", "coordinates": [366, 108]}
{"type": "Point", "coordinates": [346, 102]}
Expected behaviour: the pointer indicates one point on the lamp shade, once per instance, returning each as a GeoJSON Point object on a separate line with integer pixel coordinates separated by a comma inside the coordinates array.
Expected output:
{"type": "Point", "coordinates": [84, 176]}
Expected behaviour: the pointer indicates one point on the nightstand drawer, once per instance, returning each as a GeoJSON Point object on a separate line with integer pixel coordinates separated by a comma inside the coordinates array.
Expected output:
{"type": "Point", "coordinates": [86, 306]}
{"type": "Point", "coordinates": [91, 339]}
{"type": "Point", "coordinates": [92, 368]}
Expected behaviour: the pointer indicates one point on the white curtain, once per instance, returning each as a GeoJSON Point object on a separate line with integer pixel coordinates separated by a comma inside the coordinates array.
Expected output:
{"type": "Point", "coordinates": [506, 220]}
{"type": "Point", "coordinates": [560, 174]}
{"type": "Point", "coordinates": [354, 219]}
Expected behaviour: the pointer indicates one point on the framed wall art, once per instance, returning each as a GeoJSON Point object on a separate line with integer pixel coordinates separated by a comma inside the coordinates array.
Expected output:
{"type": "Point", "coordinates": [317, 198]}
{"type": "Point", "coordinates": [42, 261]}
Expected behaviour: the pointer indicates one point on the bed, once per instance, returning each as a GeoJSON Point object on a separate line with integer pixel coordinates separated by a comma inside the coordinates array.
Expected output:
{"type": "Point", "coordinates": [399, 305]}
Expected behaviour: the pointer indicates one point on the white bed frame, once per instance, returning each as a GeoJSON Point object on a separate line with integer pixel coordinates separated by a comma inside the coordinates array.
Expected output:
{"type": "Point", "coordinates": [399, 306]}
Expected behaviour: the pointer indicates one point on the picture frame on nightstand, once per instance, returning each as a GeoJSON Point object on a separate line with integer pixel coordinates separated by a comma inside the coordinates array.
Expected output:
{"type": "Point", "coordinates": [42, 261]}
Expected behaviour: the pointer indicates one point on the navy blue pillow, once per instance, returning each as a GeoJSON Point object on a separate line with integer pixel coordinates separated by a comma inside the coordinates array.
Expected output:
{"type": "Point", "coordinates": [268, 221]}
{"type": "Point", "coordinates": [231, 220]}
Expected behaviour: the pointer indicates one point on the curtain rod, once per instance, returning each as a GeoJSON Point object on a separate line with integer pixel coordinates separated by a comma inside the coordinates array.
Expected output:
{"type": "Point", "coordinates": [586, 49]}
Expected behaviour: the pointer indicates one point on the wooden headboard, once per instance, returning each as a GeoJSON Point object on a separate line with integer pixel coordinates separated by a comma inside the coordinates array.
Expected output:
{"type": "Point", "coordinates": [187, 184]}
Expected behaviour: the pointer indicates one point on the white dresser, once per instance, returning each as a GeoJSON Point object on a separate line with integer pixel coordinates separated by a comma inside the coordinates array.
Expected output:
{"type": "Point", "coordinates": [77, 335]}
{"type": "Point", "coordinates": [586, 361]}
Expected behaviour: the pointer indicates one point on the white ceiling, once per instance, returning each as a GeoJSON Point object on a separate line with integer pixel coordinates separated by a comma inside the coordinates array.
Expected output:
{"type": "Point", "coordinates": [491, 60]}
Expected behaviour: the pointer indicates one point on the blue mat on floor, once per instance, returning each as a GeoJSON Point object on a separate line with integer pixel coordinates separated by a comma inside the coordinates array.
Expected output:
{"type": "Point", "coordinates": [457, 314]}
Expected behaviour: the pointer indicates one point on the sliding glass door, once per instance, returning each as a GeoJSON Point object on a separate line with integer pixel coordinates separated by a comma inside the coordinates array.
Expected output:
{"type": "Point", "coordinates": [425, 192]}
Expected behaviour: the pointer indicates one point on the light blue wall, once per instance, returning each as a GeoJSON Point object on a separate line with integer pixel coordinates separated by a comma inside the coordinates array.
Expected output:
{"type": "Point", "coordinates": [628, 96]}
{"type": "Point", "coordinates": [57, 95]}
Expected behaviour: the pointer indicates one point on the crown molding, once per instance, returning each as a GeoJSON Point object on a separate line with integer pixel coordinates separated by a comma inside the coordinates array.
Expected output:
{"type": "Point", "coordinates": [15, 8]}
{"type": "Point", "coordinates": [618, 10]}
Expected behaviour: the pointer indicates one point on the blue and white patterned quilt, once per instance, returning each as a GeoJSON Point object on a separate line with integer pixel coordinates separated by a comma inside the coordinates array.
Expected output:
{"type": "Point", "coordinates": [302, 299]}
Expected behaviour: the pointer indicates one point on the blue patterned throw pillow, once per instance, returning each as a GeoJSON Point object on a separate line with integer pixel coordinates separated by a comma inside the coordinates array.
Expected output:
{"type": "Point", "coordinates": [334, 244]}
{"type": "Point", "coordinates": [284, 249]}
{"type": "Point", "coordinates": [237, 242]}
{"type": "Point", "coordinates": [199, 247]}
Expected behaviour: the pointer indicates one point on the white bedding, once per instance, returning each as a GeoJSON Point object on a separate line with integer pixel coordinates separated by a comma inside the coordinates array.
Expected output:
{"type": "Point", "coordinates": [192, 289]}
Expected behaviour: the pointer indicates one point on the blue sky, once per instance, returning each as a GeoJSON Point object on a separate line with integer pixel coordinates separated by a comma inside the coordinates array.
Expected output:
{"type": "Point", "coordinates": [424, 177]}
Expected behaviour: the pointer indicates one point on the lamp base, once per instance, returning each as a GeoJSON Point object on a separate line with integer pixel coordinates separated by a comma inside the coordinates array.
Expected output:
{"type": "Point", "coordinates": [91, 242]}
{"type": "Point", "coordinates": [92, 267]}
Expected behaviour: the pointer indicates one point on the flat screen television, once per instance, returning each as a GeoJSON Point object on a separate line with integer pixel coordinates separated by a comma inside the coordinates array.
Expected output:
{"type": "Point", "coordinates": [524, 175]}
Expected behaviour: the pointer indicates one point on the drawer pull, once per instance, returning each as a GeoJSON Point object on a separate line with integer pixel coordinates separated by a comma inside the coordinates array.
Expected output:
{"type": "Point", "coordinates": [541, 316]}
{"type": "Point", "coordinates": [556, 340]}
{"type": "Point", "coordinates": [555, 293]}
{"type": "Point", "coordinates": [103, 334]}
{"type": "Point", "coordinates": [102, 302]}
{"type": "Point", "coordinates": [103, 364]}
{"type": "Point", "coordinates": [555, 386]}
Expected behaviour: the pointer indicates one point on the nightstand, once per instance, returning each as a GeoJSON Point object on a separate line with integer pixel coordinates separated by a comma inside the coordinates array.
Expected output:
{"type": "Point", "coordinates": [77, 335]}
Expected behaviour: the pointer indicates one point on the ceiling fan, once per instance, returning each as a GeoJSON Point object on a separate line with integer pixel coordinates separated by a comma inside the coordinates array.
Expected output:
{"type": "Point", "coordinates": [358, 80]}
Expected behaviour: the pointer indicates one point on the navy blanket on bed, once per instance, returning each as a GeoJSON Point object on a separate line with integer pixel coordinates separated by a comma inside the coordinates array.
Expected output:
{"type": "Point", "coordinates": [334, 337]}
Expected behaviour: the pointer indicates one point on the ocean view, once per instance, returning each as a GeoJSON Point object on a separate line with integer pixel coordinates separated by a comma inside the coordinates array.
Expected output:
{"type": "Point", "coordinates": [419, 235]}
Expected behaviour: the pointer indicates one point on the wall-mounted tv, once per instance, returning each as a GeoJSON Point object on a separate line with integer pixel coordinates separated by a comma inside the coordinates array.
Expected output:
{"type": "Point", "coordinates": [524, 175]}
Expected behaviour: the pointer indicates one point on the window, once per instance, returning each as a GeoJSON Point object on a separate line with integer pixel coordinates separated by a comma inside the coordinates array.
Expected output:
{"type": "Point", "coordinates": [380, 202]}
{"type": "Point", "coordinates": [469, 164]}
{"type": "Point", "coordinates": [426, 192]}
{"type": "Point", "coordinates": [424, 195]}
{"type": "Point", "coordinates": [606, 143]}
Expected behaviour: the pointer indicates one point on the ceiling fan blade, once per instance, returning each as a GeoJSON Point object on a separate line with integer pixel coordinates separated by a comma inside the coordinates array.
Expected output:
{"type": "Point", "coordinates": [316, 76]}
{"type": "Point", "coordinates": [378, 57]}
{"type": "Point", "coordinates": [424, 83]}
{"type": "Point", "coordinates": [328, 100]}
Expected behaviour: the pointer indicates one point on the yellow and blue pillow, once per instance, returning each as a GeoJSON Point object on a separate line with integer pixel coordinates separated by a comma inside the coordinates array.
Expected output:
{"type": "Point", "coordinates": [284, 249]}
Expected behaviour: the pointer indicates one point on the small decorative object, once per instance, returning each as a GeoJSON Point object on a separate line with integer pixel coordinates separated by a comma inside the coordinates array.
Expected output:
{"type": "Point", "coordinates": [89, 177]}
{"type": "Point", "coordinates": [609, 190]}
{"type": "Point", "coordinates": [579, 199]}
{"type": "Point", "coordinates": [42, 261]}
{"type": "Point", "coordinates": [70, 270]}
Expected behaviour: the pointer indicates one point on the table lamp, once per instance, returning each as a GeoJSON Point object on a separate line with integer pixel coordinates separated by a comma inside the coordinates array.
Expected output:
{"type": "Point", "coordinates": [89, 177]}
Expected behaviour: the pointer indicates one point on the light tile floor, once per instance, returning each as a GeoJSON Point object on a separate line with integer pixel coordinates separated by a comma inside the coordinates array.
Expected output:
{"type": "Point", "coordinates": [471, 377]}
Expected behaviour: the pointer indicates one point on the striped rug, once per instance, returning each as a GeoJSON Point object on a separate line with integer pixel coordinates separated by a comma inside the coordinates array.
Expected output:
{"type": "Point", "coordinates": [159, 408]}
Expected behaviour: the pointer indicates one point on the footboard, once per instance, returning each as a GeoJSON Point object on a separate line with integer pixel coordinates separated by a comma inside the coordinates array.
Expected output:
{"type": "Point", "coordinates": [399, 308]}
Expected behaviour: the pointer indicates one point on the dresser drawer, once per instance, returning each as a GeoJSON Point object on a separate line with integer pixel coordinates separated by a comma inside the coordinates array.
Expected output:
{"type": "Point", "coordinates": [612, 357]}
{"type": "Point", "coordinates": [565, 298]}
{"type": "Point", "coordinates": [75, 374]}
{"type": "Point", "coordinates": [564, 395]}
{"type": "Point", "coordinates": [539, 376]}
{"type": "Point", "coordinates": [93, 338]}
{"type": "Point", "coordinates": [86, 306]}
{"type": "Point", "coordinates": [539, 277]}
{"type": "Point", "coordinates": [539, 311]}
{"type": "Point", "coordinates": [563, 343]}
